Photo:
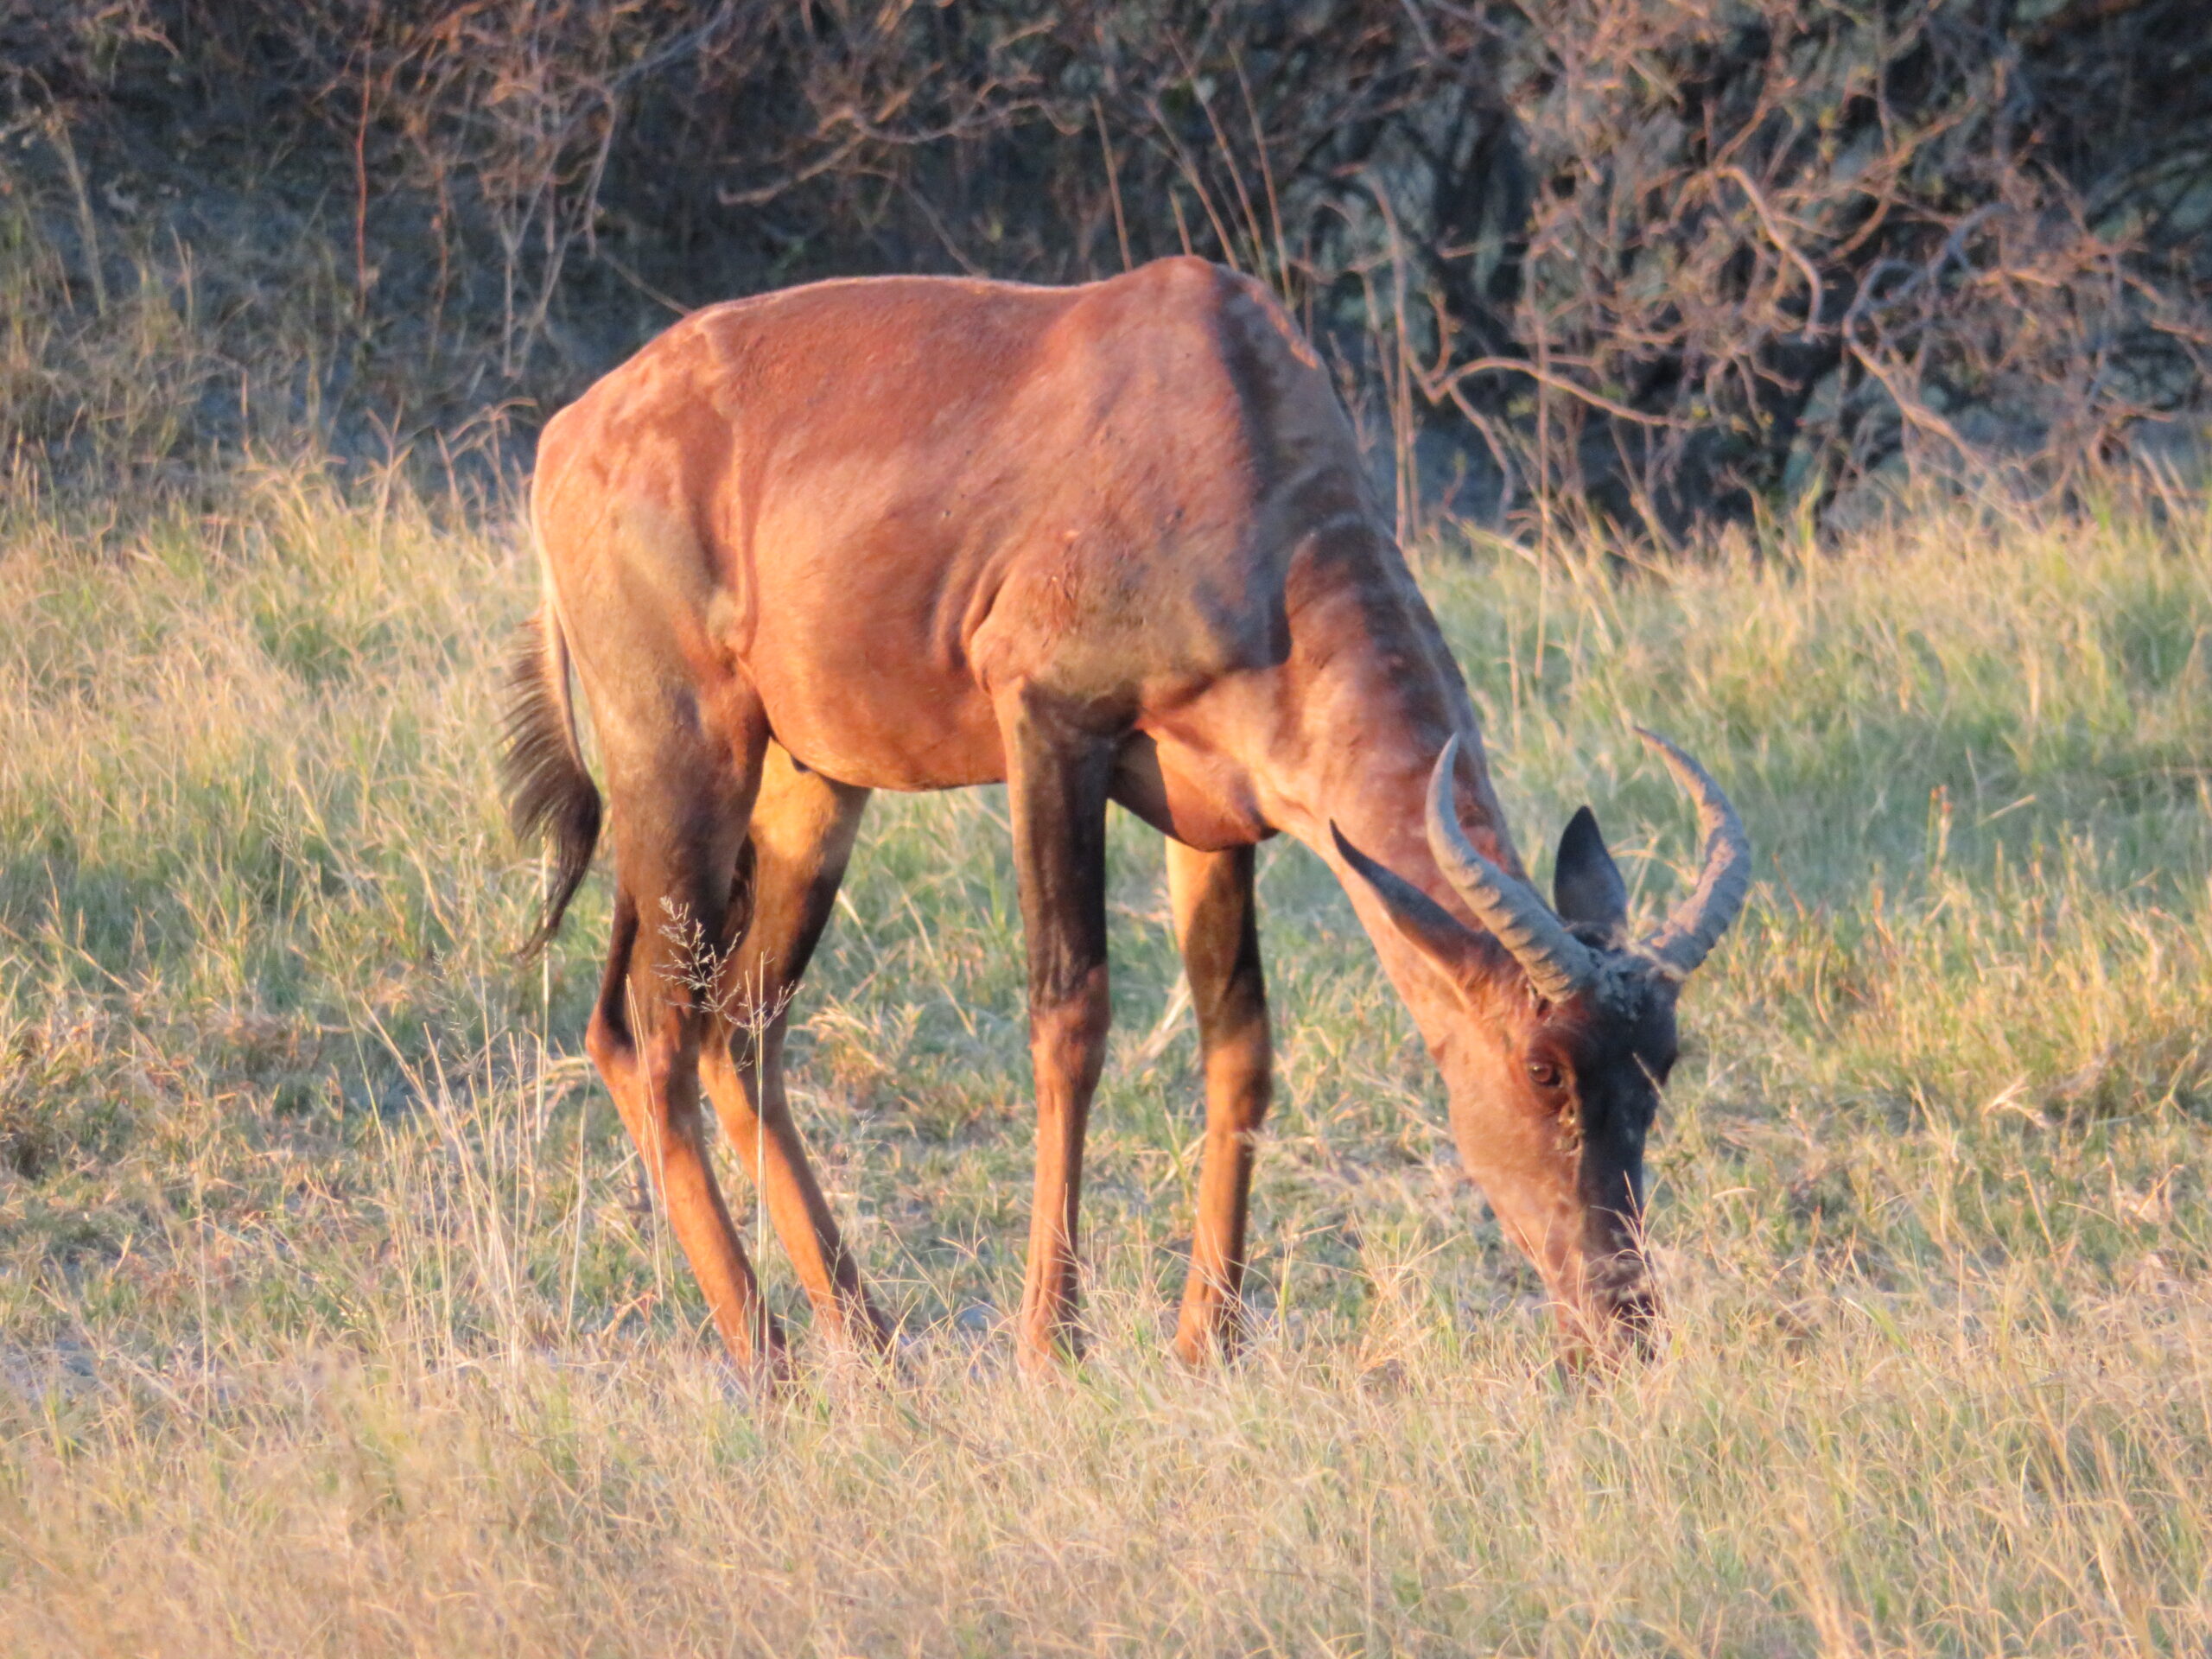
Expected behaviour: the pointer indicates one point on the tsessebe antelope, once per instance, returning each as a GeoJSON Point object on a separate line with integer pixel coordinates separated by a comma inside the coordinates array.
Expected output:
{"type": "Point", "coordinates": [1106, 543]}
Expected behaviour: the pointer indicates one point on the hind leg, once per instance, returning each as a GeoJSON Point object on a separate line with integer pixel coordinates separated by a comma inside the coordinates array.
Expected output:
{"type": "Point", "coordinates": [800, 836]}
{"type": "Point", "coordinates": [680, 800]}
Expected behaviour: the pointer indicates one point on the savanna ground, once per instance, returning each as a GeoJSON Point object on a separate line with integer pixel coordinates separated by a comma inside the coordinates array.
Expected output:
{"type": "Point", "coordinates": [329, 1321]}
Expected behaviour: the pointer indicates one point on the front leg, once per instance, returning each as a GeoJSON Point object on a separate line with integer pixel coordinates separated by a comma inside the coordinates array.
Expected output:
{"type": "Point", "coordinates": [1057, 777]}
{"type": "Point", "coordinates": [1217, 926]}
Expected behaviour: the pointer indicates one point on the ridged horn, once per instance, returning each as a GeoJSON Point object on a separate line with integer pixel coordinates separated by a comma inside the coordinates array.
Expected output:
{"type": "Point", "coordinates": [1558, 964]}
{"type": "Point", "coordinates": [1688, 935]}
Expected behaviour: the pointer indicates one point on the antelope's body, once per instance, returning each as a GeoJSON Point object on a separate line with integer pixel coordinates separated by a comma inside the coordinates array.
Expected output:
{"type": "Point", "coordinates": [1106, 541]}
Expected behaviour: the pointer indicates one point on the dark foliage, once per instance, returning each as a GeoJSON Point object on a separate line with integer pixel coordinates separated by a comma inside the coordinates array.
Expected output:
{"type": "Point", "coordinates": [1667, 265]}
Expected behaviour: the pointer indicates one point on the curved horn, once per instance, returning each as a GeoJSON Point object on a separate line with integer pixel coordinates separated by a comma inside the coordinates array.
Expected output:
{"type": "Point", "coordinates": [1557, 962]}
{"type": "Point", "coordinates": [1688, 935]}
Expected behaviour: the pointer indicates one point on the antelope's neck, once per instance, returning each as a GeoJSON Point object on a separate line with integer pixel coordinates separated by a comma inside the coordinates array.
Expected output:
{"type": "Point", "coordinates": [1370, 695]}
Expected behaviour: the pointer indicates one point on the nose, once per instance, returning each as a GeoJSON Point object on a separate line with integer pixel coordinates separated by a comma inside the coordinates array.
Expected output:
{"type": "Point", "coordinates": [1618, 1315]}
{"type": "Point", "coordinates": [1630, 1319]}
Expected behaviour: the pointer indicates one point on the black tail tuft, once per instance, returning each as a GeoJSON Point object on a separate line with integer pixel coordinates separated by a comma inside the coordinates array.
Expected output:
{"type": "Point", "coordinates": [548, 791]}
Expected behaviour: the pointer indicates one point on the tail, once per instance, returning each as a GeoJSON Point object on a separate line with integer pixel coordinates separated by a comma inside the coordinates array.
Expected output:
{"type": "Point", "coordinates": [548, 790]}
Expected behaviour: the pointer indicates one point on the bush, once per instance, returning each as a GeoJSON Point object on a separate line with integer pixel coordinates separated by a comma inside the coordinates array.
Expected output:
{"type": "Point", "coordinates": [1664, 266]}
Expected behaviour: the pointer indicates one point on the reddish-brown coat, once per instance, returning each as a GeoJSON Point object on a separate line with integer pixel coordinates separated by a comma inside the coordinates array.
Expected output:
{"type": "Point", "coordinates": [917, 533]}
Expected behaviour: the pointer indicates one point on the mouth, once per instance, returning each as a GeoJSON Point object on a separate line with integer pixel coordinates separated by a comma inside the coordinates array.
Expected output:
{"type": "Point", "coordinates": [1631, 1319]}
{"type": "Point", "coordinates": [1615, 1318]}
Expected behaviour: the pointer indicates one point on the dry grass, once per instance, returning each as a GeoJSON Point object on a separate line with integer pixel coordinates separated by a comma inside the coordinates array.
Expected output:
{"type": "Point", "coordinates": [327, 1324]}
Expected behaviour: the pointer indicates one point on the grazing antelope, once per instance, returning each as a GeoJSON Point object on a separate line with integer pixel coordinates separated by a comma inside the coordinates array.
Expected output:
{"type": "Point", "coordinates": [1106, 543]}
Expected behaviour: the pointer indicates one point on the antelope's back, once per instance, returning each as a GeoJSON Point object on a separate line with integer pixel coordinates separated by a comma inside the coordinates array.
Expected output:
{"type": "Point", "coordinates": [879, 500]}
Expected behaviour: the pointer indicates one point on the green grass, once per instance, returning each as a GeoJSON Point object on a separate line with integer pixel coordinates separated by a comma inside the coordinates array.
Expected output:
{"type": "Point", "coordinates": [328, 1323]}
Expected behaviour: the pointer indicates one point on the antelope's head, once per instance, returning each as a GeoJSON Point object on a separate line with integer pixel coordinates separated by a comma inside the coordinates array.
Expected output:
{"type": "Point", "coordinates": [1556, 1036]}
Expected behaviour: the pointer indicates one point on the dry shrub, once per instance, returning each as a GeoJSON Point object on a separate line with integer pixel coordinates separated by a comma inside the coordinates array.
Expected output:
{"type": "Point", "coordinates": [1664, 265]}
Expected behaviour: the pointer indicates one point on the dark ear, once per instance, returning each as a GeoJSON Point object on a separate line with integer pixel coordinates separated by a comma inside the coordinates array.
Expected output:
{"type": "Point", "coordinates": [1586, 888]}
{"type": "Point", "coordinates": [1431, 928]}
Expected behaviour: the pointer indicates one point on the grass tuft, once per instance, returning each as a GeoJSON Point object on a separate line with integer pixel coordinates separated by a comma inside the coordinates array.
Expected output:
{"type": "Point", "coordinates": [329, 1323]}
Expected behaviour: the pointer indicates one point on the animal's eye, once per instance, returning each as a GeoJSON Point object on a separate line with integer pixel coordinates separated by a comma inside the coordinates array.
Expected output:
{"type": "Point", "coordinates": [1543, 1074]}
